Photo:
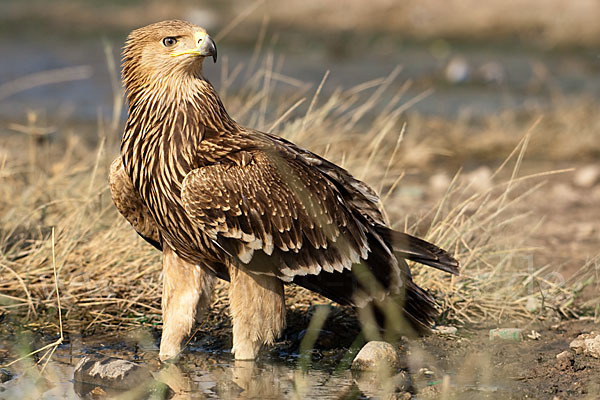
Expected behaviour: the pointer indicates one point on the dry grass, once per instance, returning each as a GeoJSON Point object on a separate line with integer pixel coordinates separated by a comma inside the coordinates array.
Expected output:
{"type": "Point", "coordinates": [109, 278]}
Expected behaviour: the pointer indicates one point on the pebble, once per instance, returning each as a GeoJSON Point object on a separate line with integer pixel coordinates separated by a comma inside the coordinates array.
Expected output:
{"type": "Point", "coordinates": [457, 70]}
{"type": "Point", "coordinates": [587, 344]}
{"type": "Point", "coordinates": [111, 372]}
{"type": "Point", "coordinates": [5, 375]}
{"type": "Point", "coordinates": [508, 334]}
{"type": "Point", "coordinates": [587, 176]}
{"type": "Point", "coordinates": [446, 330]}
{"type": "Point", "coordinates": [375, 355]}
{"type": "Point", "coordinates": [439, 183]}
{"type": "Point", "coordinates": [481, 179]}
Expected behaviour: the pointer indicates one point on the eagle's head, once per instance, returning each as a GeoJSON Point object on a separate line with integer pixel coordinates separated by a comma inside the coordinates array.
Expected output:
{"type": "Point", "coordinates": [164, 50]}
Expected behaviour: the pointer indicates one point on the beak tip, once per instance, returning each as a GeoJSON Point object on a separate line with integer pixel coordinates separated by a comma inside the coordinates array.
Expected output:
{"type": "Point", "coordinates": [213, 50]}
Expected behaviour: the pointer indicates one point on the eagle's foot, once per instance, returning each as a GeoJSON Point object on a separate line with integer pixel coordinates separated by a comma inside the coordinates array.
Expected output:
{"type": "Point", "coordinates": [258, 311]}
{"type": "Point", "coordinates": [245, 349]}
{"type": "Point", "coordinates": [187, 290]}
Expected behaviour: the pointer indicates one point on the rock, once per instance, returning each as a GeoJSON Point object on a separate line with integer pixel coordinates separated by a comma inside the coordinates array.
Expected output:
{"type": "Point", "coordinates": [593, 346]}
{"type": "Point", "coordinates": [439, 183]}
{"type": "Point", "coordinates": [587, 344]}
{"type": "Point", "coordinates": [480, 179]}
{"type": "Point", "coordinates": [5, 375]}
{"type": "Point", "coordinates": [375, 355]}
{"type": "Point", "coordinates": [111, 372]}
{"type": "Point", "coordinates": [457, 70]}
{"type": "Point", "coordinates": [446, 330]}
{"type": "Point", "coordinates": [577, 345]}
{"type": "Point", "coordinates": [507, 334]}
{"type": "Point", "coordinates": [564, 360]}
{"type": "Point", "coordinates": [587, 176]}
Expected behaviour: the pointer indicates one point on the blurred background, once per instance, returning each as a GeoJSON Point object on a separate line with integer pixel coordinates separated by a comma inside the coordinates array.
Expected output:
{"type": "Point", "coordinates": [462, 58]}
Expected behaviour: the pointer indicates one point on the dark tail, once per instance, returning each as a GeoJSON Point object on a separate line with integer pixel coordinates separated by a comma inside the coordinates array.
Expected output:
{"type": "Point", "coordinates": [418, 307]}
{"type": "Point", "coordinates": [418, 250]}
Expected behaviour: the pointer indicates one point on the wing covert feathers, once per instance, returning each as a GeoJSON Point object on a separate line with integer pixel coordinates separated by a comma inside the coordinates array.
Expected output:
{"type": "Point", "coordinates": [276, 211]}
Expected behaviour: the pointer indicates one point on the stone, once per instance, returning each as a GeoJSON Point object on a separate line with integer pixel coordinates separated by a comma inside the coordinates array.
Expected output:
{"type": "Point", "coordinates": [446, 330]}
{"type": "Point", "coordinates": [5, 375]}
{"type": "Point", "coordinates": [480, 179]}
{"type": "Point", "coordinates": [457, 70]}
{"type": "Point", "coordinates": [593, 346]}
{"type": "Point", "coordinates": [587, 176]}
{"type": "Point", "coordinates": [111, 372]}
{"type": "Point", "coordinates": [376, 355]}
{"type": "Point", "coordinates": [439, 183]}
{"type": "Point", "coordinates": [587, 344]}
{"type": "Point", "coordinates": [577, 345]}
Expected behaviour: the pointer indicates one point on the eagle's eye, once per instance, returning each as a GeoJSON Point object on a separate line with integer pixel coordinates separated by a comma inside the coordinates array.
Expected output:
{"type": "Point", "coordinates": [169, 41]}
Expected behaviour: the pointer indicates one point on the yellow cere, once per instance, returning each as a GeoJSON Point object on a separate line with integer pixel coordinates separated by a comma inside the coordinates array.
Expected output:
{"type": "Point", "coordinates": [198, 38]}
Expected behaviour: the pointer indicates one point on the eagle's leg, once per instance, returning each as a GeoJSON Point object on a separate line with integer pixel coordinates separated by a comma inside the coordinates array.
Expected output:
{"type": "Point", "coordinates": [187, 291]}
{"type": "Point", "coordinates": [257, 309]}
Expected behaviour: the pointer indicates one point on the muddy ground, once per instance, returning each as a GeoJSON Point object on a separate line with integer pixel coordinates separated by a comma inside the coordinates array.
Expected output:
{"type": "Point", "coordinates": [466, 366]}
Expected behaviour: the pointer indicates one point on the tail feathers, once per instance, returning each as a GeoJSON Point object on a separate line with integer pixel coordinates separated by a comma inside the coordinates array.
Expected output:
{"type": "Point", "coordinates": [419, 308]}
{"type": "Point", "coordinates": [418, 250]}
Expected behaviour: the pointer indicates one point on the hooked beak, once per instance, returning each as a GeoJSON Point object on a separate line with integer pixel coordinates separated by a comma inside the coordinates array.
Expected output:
{"type": "Point", "coordinates": [206, 47]}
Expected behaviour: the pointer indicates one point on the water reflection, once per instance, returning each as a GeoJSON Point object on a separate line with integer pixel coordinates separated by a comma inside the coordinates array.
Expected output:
{"type": "Point", "coordinates": [197, 374]}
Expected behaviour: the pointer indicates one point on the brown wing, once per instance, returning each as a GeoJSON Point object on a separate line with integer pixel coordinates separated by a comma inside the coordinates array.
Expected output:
{"type": "Point", "coordinates": [130, 205]}
{"type": "Point", "coordinates": [358, 195]}
{"type": "Point", "coordinates": [277, 214]}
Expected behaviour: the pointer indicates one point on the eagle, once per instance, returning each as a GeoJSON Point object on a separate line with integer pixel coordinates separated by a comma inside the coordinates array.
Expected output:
{"type": "Point", "coordinates": [224, 201]}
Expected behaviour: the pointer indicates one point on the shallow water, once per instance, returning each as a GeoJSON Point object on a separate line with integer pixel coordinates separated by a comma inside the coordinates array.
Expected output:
{"type": "Point", "coordinates": [198, 374]}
